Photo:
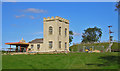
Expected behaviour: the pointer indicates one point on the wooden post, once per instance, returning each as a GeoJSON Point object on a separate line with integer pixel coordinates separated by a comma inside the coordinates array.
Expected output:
{"type": "Point", "coordinates": [16, 48]}
{"type": "Point", "coordinates": [26, 49]}
{"type": "Point", "coordinates": [10, 48]}
{"type": "Point", "coordinates": [20, 48]}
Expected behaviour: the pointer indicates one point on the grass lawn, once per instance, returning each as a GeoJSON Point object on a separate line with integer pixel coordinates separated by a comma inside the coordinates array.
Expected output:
{"type": "Point", "coordinates": [62, 61]}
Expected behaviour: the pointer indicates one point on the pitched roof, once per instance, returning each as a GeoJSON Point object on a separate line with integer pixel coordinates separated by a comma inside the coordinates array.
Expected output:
{"type": "Point", "coordinates": [37, 41]}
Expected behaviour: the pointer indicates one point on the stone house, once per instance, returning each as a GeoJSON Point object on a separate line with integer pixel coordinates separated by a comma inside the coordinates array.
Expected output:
{"type": "Point", "coordinates": [56, 37]}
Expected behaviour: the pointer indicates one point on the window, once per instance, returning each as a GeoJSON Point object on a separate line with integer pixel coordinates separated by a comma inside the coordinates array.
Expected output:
{"type": "Point", "coordinates": [50, 30]}
{"type": "Point", "coordinates": [50, 44]}
{"type": "Point", "coordinates": [65, 31]}
{"type": "Point", "coordinates": [31, 46]}
{"type": "Point", "coordinates": [60, 20]}
{"type": "Point", "coordinates": [59, 44]}
{"type": "Point", "coordinates": [38, 46]}
{"type": "Point", "coordinates": [29, 49]}
{"type": "Point", "coordinates": [59, 30]}
{"type": "Point", "coordinates": [65, 45]}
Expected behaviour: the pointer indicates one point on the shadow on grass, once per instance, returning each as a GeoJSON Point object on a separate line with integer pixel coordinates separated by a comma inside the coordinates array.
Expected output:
{"type": "Point", "coordinates": [107, 61]}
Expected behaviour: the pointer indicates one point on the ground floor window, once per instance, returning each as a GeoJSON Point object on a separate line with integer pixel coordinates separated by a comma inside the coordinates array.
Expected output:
{"type": "Point", "coordinates": [38, 46]}
{"type": "Point", "coordinates": [59, 44]}
{"type": "Point", "coordinates": [50, 44]}
{"type": "Point", "coordinates": [29, 49]}
{"type": "Point", "coordinates": [65, 45]}
{"type": "Point", "coordinates": [31, 46]}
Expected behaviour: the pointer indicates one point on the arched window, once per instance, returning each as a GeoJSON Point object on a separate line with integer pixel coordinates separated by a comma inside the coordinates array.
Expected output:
{"type": "Point", "coordinates": [50, 30]}
{"type": "Point", "coordinates": [59, 30]}
{"type": "Point", "coordinates": [65, 31]}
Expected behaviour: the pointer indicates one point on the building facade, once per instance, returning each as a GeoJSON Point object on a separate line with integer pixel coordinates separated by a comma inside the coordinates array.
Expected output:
{"type": "Point", "coordinates": [56, 36]}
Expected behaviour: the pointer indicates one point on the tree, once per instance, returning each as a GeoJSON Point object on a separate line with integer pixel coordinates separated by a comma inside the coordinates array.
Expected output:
{"type": "Point", "coordinates": [91, 35]}
{"type": "Point", "coordinates": [117, 6]}
{"type": "Point", "coordinates": [70, 36]}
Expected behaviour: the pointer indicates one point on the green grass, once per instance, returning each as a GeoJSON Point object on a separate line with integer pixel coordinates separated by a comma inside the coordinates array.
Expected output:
{"type": "Point", "coordinates": [61, 61]}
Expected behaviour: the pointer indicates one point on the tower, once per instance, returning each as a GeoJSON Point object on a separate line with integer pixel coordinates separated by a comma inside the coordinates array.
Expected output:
{"type": "Point", "coordinates": [22, 40]}
{"type": "Point", "coordinates": [56, 34]}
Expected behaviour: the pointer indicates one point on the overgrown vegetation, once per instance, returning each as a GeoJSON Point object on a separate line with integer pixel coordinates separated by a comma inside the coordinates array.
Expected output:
{"type": "Point", "coordinates": [114, 46]}
{"type": "Point", "coordinates": [117, 6]}
{"type": "Point", "coordinates": [70, 36]}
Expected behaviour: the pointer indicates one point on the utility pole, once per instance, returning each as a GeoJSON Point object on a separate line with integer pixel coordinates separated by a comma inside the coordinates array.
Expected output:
{"type": "Point", "coordinates": [110, 37]}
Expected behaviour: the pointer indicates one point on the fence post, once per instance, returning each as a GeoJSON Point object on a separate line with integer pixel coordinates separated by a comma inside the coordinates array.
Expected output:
{"type": "Point", "coordinates": [83, 48]}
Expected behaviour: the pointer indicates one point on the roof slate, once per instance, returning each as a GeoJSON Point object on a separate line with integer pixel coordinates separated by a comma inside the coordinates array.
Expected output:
{"type": "Point", "coordinates": [37, 41]}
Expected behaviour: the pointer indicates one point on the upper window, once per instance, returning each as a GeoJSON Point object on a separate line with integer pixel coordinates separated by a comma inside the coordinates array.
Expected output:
{"type": "Point", "coordinates": [59, 30]}
{"type": "Point", "coordinates": [50, 30]}
{"type": "Point", "coordinates": [31, 46]}
{"type": "Point", "coordinates": [50, 44]}
{"type": "Point", "coordinates": [65, 31]}
{"type": "Point", "coordinates": [38, 46]}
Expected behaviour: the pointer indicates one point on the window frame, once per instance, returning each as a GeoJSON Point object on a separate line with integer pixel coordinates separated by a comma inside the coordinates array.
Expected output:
{"type": "Point", "coordinates": [38, 47]}
{"type": "Point", "coordinates": [50, 30]}
{"type": "Point", "coordinates": [65, 32]}
{"type": "Point", "coordinates": [59, 44]}
{"type": "Point", "coordinates": [32, 46]}
{"type": "Point", "coordinates": [65, 45]}
{"type": "Point", "coordinates": [50, 44]}
{"type": "Point", "coordinates": [59, 30]}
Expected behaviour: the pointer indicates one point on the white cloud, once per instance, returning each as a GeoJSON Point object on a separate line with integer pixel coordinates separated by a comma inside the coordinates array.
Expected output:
{"type": "Point", "coordinates": [33, 10]}
{"type": "Point", "coordinates": [27, 16]}
{"type": "Point", "coordinates": [32, 17]}
{"type": "Point", "coordinates": [20, 16]}
{"type": "Point", "coordinates": [76, 34]}
{"type": "Point", "coordinates": [37, 33]}
{"type": "Point", "coordinates": [9, 1]}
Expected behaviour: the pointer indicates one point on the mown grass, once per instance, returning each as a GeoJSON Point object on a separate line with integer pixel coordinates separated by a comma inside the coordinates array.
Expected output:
{"type": "Point", "coordinates": [61, 61]}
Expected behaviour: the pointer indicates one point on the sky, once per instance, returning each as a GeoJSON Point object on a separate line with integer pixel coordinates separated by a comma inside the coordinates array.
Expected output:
{"type": "Point", "coordinates": [25, 19]}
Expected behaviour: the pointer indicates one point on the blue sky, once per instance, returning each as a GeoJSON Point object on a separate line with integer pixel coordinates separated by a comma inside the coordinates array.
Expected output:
{"type": "Point", "coordinates": [25, 19]}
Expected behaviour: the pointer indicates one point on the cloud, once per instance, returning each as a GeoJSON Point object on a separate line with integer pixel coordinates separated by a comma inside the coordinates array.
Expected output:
{"type": "Point", "coordinates": [32, 17]}
{"type": "Point", "coordinates": [33, 10]}
{"type": "Point", "coordinates": [37, 33]}
{"type": "Point", "coordinates": [20, 16]}
{"type": "Point", "coordinates": [9, 1]}
{"type": "Point", "coordinates": [76, 34]}
{"type": "Point", "coordinates": [27, 16]}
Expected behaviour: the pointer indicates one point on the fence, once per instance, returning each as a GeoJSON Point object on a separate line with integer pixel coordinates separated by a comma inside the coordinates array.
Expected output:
{"type": "Point", "coordinates": [89, 49]}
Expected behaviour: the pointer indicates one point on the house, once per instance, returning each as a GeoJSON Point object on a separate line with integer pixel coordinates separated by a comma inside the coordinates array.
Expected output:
{"type": "Point", "coordinates": [56, 37]}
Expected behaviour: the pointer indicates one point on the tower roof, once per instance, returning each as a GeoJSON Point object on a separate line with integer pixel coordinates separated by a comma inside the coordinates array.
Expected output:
{"type": "Point", "coordinates": [56, 18]}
